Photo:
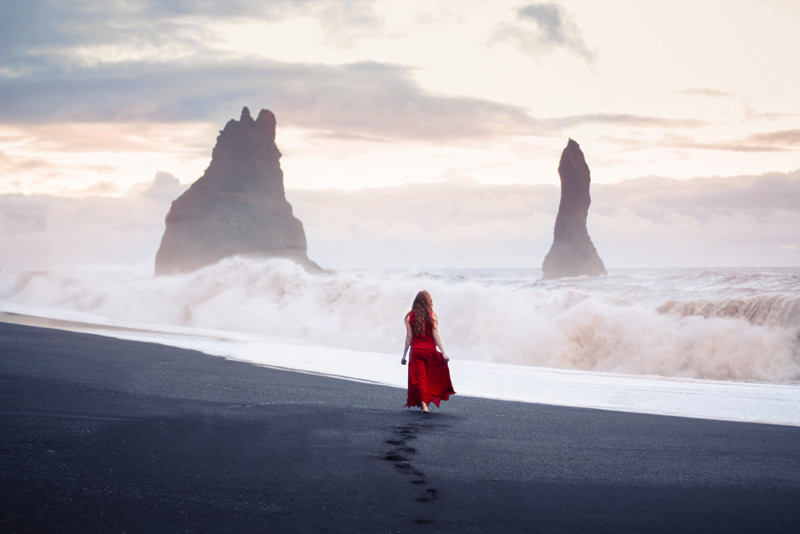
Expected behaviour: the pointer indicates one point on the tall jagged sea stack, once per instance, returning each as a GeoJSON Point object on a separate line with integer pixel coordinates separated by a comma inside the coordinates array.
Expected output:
{"type": "Point", "coordinates": [238, 206]}
{"type": "Point", "coordinates": [572, 253]}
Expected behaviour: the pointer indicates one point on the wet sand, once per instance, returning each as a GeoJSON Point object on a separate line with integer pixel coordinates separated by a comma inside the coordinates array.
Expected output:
{"type": "Point", "coordinates": [105, 435]}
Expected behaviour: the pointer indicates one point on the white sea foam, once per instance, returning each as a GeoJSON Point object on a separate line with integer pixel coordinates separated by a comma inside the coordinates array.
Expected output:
{"type": "Point", "coordinates": [704, 399]}
{"type": "Point", "coordinates": [713, 324]}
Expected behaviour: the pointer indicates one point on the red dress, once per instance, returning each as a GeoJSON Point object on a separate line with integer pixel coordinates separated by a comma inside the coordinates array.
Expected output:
{"type": "Point", "coordinates": [428, 373]}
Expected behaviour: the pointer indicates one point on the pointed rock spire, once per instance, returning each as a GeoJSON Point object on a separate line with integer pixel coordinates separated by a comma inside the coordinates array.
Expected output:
{"type": "Point", "coordinates": [572, 253]}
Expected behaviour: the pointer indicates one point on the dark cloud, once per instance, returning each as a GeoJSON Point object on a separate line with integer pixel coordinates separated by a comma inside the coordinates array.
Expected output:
{"type": "Point", "coordinates": [357, 101]}
{"type": "Point", "coordinates": [365, 99]}
{"type": "Point", "coordinates": [36, 33]}
{"type": "Point", "coordinates": [550, 19]}
{"type": "Point", "coordinates": [544, 27]}
{"type": "Point", "coordinates": [36, 23]}
{"type": "Point", "coordinates": [40, 81]}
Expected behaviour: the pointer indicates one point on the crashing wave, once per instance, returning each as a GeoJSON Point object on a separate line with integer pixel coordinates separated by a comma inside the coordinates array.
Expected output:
{"type": "Point", "coordinates": [769, 310]}
{"type": "Point", "coordinates": [615, 324]}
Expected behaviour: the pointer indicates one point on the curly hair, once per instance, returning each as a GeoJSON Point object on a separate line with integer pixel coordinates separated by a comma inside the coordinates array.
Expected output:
{"type": "Point", "coordinates": [423, 312]}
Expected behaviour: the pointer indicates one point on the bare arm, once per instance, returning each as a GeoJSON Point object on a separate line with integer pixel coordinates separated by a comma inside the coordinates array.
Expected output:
{"type": "Point", "coordinates": [408, 338]}
{"type": "Point", "coordinates": [438, 339]}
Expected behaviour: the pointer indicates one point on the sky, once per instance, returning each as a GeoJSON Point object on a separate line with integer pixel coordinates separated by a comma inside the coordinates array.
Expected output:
{"type": "Point", "coordinates": [433, 125]}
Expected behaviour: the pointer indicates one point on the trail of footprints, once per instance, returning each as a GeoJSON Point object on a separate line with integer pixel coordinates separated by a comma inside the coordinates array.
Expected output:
{"type": "Point", "coordinates": [400, 455]}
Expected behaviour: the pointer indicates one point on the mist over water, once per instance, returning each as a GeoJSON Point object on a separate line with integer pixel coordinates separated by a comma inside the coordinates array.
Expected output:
{"type": "Point", "coordinates": [725, 324]}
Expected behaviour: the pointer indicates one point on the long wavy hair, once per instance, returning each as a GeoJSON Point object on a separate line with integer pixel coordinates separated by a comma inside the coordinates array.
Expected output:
{"type": "Point", "coordinates": [423, 312]}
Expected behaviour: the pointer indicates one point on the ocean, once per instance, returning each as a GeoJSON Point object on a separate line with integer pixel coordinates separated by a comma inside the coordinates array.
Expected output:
{"type": "Point", "coordinates": [510, 334]}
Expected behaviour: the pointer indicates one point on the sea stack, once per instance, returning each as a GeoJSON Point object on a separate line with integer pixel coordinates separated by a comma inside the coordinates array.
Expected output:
{"type": "Point", "coordinates": [572, 253]}
{"type": "Point", "coordinates": [238, 206]}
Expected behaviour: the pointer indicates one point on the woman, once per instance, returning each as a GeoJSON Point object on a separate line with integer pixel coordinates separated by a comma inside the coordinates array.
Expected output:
{"type": "Point", "coordinates": [428, 373]}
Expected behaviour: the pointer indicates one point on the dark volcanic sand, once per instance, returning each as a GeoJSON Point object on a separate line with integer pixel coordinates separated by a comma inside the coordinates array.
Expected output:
{"type": "Point", "coordinates": [103, 435]}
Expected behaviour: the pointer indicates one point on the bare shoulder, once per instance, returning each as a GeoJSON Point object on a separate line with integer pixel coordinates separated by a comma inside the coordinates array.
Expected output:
{"type": "Point", "coordinates": [407, 318]}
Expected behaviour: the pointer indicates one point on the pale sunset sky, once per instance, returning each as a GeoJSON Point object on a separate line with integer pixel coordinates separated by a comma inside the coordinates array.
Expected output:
{"type": "Point", "coordinates": [437, 125]}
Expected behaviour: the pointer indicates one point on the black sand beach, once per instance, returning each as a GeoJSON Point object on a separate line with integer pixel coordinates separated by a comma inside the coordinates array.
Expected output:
{"type": "Point", "coordinates": [103, 435]}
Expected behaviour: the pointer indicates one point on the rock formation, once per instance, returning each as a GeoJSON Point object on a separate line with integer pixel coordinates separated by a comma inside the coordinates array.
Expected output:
{"type": "Point", "coordinates": [238, 206]}
{"type": "Point", "coordinates": [572, 253]}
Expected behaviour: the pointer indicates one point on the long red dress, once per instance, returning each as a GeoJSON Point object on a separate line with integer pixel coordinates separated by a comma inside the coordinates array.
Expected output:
{"type": "Point", "coordinates": [428, 373]}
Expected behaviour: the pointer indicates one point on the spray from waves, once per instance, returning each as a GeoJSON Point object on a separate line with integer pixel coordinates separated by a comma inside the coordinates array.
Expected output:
{"type": "Point", "coordinates": [600, 325]}
{"type": "Point", "coordinates": [773, 310]}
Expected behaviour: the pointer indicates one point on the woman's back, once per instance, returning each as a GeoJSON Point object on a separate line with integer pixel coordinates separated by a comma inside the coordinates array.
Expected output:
{"type": "Point", "coordinates": [424, 340]}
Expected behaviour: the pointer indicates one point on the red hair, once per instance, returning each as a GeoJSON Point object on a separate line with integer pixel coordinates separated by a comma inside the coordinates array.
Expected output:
{"type": "Point", "coordinates": [423, 312]}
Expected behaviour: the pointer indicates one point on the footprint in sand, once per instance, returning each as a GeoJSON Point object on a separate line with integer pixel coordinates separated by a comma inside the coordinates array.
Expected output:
{"type": "Point", "coordinates": [403, 464]}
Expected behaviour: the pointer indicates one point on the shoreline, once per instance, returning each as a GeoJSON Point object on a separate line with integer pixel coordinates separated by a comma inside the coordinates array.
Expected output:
{"type": "Point", "coordinates": [755, 402]}
{"type": "Point", "coordinates": [106, 434]}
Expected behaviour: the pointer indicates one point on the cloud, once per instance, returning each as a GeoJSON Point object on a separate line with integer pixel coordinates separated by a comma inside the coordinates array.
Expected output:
{"type": "Point", "coordinates": [41, 35]}
{"type": "Point", "coordinates": [366, 99]}
{"type": "Point", "coordinates": [702, 198]}
{"type": "Point", "coordinates": [782, 141]}
{"type": "Point", "coordinates": [11, 164]}
{"type": "Point", "coordinates": [752, 114]}
{"type": "Point", "coordinates": [771, 142]}
{"type": "Point", "coordinates": [342, 22]}
{"type": "Point", "coordinates": [705, 92]}
{"type": "Point", "coordinates": [346, 136]}
{"type": "Point", "coordinates": [34, 31]}
{"type": "Point", "coordinates": [783, 138]}
{"type": "Point", "coordinates": [647, 222]}
{"type": "Point", "coordinates": [736, 146]}
{"type": "Point", "coordinates": [707, 222]}
{"type": "Point", "coordinates": [450, 224]}
{"type": "Point", "coordinates": [164, 188]}
{"type": "Point", "coordinates": [545, 27]}
{"type": "Point", "coordinates": [357, 100]}
{"type": "Point", "coordinates": [624, 119]}
{"type": "Point", "coordinates": [49, 232]}
{"type": "Point", "coordinates": [161, 68]}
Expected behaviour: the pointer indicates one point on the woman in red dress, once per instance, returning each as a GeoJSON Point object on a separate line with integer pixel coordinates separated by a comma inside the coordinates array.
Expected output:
{"type": "Point", "coordinates": [428, 373]}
